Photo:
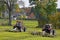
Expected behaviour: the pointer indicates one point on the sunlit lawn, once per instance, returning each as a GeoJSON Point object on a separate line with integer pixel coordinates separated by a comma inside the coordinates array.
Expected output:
{"type": "Point", "coordinates": [30, 26]}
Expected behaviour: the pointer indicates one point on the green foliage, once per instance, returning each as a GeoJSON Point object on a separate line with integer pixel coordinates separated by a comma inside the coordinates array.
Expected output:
{"type": "Point", "coordinates": [51, 7]}
{"type": "Point", "coordinates": [10, 6]}
{"type": "Point", "coordinates": [31, 0]}
{"type": "Point", "coordinates": [55, 20]}
{"type": "Point", "coordinates": [2, 7]}
{"type": "Point", "coordinates": [44, 9]}
{"type": "Point", "coordinates": [48, 8]}
{"type": "Point", "coordinates": [16, 6]}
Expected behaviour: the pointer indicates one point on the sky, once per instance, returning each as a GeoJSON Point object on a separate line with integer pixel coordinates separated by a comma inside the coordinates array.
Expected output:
{"type": "Point", "coordinates": [58, 4]}
{"type": "Point", "coordinates": [26, 2]}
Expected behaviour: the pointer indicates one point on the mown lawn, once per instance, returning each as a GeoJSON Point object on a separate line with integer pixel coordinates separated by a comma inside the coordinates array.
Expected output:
{"type": "Point", "coordinates": [30, 26]}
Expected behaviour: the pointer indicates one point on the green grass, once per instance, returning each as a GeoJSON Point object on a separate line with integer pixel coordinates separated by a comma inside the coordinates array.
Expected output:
{"type": "Point", "coordinates": [31, 26]}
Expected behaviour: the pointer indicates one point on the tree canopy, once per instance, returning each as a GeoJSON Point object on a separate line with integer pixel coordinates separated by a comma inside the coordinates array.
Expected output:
{"type": "Point", "coordinates": [10, 6]}
{"type": "Point", "coordinates": [43, 9]}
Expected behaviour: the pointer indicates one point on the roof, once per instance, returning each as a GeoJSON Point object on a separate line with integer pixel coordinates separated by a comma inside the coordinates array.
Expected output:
{"type": "Point", "coordinates": [58, 10]}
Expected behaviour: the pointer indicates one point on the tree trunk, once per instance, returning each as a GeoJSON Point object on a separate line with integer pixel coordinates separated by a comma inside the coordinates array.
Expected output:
{"type": "Point", "coordinates": [39, 21]}
{"type": "Point", "coordinates": [10, 18]}
{"type": "Point", "coordinates": [39, 24]}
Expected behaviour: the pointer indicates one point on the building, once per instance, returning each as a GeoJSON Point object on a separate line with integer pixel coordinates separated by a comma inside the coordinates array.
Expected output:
{"type": "Point", "coordinates": [25, 4]}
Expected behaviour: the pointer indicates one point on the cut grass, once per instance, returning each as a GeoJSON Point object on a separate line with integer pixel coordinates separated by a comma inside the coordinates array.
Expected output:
{"type": "Point", "coordinates": [31, 26]}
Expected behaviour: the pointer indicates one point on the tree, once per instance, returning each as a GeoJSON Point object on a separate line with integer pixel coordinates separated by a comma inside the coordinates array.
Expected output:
{"type": "Point", "coordinates": [10, 5]}
{"type": "Point", "coordinates": [17, 9]}
{"type": "Point", "coordinates": [2, 8]}
{"type": "Point", "coordinates": [31, 1]}
{"type": "Point", "coordinates": [43, 9]}
{"type": "Point", "coordinates": [55, 20]}
{"type": "Point", "coordinates": [50, 9]}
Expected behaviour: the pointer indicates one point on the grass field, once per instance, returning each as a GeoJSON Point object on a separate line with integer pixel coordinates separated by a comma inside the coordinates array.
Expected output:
{"type": "Point", "coordinates": [30, 26]}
